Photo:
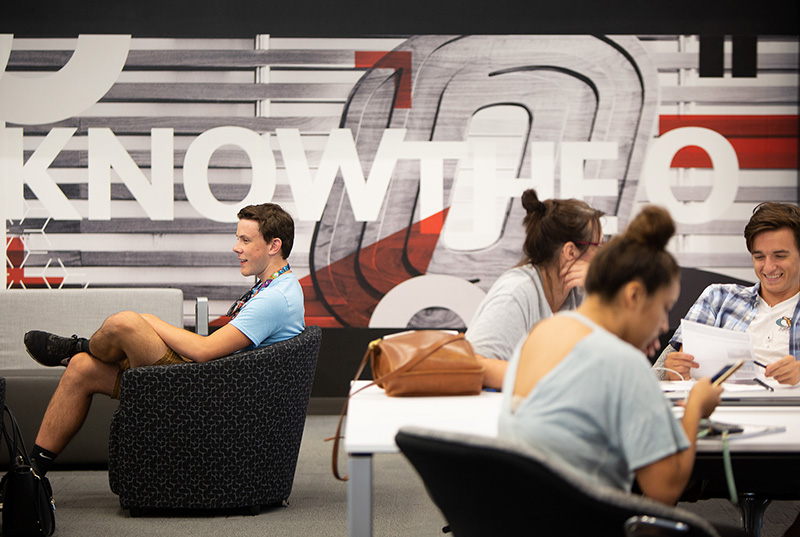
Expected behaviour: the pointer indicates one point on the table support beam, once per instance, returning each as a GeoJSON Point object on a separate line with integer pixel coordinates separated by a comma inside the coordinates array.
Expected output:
{"type": "Point", "coordinates": [359, 496]}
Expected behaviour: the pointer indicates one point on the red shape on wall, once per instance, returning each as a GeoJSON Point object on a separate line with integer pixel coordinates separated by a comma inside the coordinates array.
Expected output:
{"type": "Point", "coordinates": [353, 286]}
{"type": "Point", "coordinates": [760, 142]}
{"type": "Point", "coordinates": [753, 154]}
{"type": "Point", "coordinates": [15, 272]}
{"type": "Point", "coordinates": [400, 61]}
{"type": "Point", "coordinates": [400, 256]}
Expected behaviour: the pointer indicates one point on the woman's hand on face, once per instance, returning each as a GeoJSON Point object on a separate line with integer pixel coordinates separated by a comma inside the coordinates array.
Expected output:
{"type": "Point", "coordinates": [652, 348]}
{"type": "Point", "coordinates": [574, 274]}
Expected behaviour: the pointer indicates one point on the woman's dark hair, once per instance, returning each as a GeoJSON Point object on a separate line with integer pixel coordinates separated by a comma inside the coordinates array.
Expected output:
{"type": "Point", "coordinates": [638, 254]}
{"type": "Point", "coordinates": [273, 222]}
{"type": "Point", "coordinates": [552, 223]}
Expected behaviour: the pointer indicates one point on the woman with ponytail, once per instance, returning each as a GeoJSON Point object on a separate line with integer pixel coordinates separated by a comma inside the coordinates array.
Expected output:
{"type": "Point", "coordinates": [561, 236]}
{"type": "Point", "coordinates": [580, 386]}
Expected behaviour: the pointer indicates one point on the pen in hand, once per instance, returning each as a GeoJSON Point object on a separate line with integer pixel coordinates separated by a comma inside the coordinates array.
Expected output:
{"type": "Point", "coordinates": [759, 364]}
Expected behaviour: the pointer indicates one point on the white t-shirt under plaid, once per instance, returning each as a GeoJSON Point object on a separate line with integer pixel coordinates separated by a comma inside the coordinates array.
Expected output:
{"type": "Point", "coordinates": [770, 329]}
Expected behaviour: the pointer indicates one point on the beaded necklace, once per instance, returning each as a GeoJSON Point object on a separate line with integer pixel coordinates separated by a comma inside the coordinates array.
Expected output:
{"type": "Point", "coordinates": [239, 304]}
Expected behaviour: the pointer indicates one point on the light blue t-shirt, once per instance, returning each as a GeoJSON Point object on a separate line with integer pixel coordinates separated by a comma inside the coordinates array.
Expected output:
{"type": "Point", "coordinates": [275, 314]}
{"type": "Point", "coordinates": [600, 410]}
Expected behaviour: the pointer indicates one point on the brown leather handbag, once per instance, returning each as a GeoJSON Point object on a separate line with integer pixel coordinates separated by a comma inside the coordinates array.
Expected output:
{"type": "Point", "coordinates": [418, 363]}
{"type": "Point", "coordinates": [425, 362]}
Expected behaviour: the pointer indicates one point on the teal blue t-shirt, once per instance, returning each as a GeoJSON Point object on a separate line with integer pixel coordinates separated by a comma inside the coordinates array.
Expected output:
{"type": "Point", "coordinates": [275, 314]}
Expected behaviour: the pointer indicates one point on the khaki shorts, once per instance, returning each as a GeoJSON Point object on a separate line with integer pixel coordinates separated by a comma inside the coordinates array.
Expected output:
{"type": "Point", "coordinates": [170, 357]}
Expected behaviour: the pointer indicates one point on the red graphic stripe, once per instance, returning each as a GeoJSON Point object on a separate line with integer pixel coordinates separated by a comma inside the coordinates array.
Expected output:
{"type": "Point", "coordinates": [753, 153]}
{"type": "Point", "coordinates": [735, 126]}
{"type": "Point", "coordinates": [400, 61]}
{"type": "Point", "coordinates": [760, 142]}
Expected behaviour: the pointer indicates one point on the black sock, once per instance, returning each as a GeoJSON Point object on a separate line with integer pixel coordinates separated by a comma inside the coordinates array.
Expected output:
{"type": "Point", "coordinates": [83, 345]}
{"type": "Point", "coordinates": [42, 459]}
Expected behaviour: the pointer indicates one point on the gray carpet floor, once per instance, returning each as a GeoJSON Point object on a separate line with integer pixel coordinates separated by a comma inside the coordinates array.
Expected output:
{"type": "Point", "coordinates": [317, 506]}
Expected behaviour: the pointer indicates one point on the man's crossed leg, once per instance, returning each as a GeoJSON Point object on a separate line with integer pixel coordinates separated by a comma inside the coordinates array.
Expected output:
{"type": "Point", "coordinates": [125, 339]}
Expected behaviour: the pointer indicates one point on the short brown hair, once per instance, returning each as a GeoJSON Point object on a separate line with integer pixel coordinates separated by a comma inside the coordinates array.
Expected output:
{"type": "Point", "coordinates": [273, 223]}
{"type": "Point", "coordinates": [551, 223]}
{"type": "Point", "coordinates": [772, 216]}
{"type": "Point", "coordinates": [638, 254]}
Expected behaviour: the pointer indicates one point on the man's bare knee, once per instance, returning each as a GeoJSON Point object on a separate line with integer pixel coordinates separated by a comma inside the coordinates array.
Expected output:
{"type": "Point", "coordinates": [118, 332]}
{"type": "Point", "coordinates": [121, 323]}
{"type": "Point", "coordinates": [85, 374]}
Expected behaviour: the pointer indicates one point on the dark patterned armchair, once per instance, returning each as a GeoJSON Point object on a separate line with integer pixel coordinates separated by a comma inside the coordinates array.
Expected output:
{"type": "Point", "coordinates": [219, 435]}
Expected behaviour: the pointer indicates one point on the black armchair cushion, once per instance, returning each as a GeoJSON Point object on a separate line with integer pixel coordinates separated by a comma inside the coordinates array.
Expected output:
{"type": "Point", "coordinates": [223, 434]}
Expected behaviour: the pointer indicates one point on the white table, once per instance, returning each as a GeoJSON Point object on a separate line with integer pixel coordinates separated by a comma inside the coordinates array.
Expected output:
{"type": "Point", "coordinates": [373, 420]}
{"type": "Point", "coordinates": [741, 395]}
{"type": "Point", "coordinates": [784, 442]}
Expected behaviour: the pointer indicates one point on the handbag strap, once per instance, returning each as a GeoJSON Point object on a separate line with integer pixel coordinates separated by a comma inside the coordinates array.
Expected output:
{"type": "Point", "coordinates": [15, 440]}
{"type": "Point", "coordinates": [423, 354]}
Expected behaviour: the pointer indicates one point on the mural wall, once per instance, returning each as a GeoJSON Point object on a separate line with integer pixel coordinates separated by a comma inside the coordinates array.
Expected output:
{"type": "Point", "coordinates": [124, 159]}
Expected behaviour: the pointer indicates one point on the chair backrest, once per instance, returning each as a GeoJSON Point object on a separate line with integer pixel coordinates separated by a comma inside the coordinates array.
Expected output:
{"type": "Point", "coordinates": [487, 486]}
{"type": "Point", "coordinates": [288, 367]}
{"type": "Point", "coordinates": [291, 364]}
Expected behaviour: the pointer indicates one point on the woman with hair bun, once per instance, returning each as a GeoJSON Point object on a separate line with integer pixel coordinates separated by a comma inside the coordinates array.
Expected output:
{"type": "Point", "coordinates": [561, 236]}
{"type": "Point", "coordinates": [580, 386]}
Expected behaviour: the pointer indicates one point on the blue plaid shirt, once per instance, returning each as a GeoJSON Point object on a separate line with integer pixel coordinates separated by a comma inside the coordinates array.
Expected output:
{"type": "Point", "coordinates": [733, 307]}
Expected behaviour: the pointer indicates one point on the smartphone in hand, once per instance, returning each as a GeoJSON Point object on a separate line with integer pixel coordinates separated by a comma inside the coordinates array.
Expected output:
{"type": "Point", "coordinates": [723, 374]}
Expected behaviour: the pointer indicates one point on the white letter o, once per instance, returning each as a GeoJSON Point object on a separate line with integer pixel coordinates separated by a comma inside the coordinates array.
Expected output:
{"type": "Point", "coordinates": [723, 160]}
{"type": "Point", "coordinates": [195, 171]}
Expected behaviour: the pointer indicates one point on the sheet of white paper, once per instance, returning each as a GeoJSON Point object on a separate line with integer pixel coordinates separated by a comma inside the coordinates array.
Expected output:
{"type": "Point", "coordinates": [713, 348]}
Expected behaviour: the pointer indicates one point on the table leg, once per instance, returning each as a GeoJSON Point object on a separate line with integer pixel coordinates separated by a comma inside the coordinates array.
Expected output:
{"type": "Point", "coordinates": [753, 507]}
{"type": "Point", "coordinates": [359, 495]}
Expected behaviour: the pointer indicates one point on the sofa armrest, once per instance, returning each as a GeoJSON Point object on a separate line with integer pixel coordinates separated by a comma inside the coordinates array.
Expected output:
{"type": "Point", "coordinates": [201, 315]}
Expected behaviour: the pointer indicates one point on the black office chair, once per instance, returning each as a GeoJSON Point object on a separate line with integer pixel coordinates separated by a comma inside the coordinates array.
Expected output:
{"type": "Point", "coordinates": [486, 486]}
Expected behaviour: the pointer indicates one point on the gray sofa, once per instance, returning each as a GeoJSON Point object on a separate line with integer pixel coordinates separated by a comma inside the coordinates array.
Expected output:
{"type": "Point", "coordinates": [29, 385]}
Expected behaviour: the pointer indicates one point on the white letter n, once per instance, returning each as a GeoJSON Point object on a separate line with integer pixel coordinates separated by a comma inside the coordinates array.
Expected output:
{"type": "Point", "coordinates": [154, 195]}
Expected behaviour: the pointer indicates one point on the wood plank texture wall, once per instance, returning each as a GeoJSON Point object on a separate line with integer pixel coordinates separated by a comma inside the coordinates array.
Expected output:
{"type": "Point", "coordinates": [192, 85]}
